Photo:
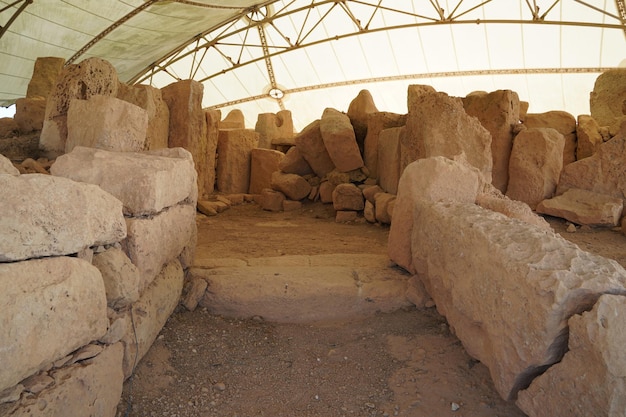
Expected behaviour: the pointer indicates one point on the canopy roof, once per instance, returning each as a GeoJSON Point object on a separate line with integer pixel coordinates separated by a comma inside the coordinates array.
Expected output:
{"type": "Point", "coordinates": [306, 55]}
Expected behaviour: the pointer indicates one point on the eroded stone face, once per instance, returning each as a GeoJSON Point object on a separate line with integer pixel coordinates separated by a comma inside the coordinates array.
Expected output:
{"type": "Point", "coordinates": [340, 140]}
{"type": "Point", "coordinates": [311, 146]}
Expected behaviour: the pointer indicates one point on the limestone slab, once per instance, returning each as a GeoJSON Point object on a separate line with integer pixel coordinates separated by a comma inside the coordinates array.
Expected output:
{"type": "Point", "coordinates": [561, 121]}
{"type": "Point", "coordinates": [274, 127]}
{"type": "Point", "coordinates": [348, 197]}
{"type": "Point", "coordinates": [359, 110]}
{"type": "Point", "coordinates": [340, 140]}
{"type": "Point", "coordinates": [390, 159]}
{"type": "Point", "coordinates": [584, 207]}
{"type": "Point", "coordinates": [45, 215]}
{"type": "Point", "coordinates": [263, 163]}
{"type": "Point", "coordinates": [234, 148]}
{"type": "Point", "coordinates": [7, 167]}
{"type": "Point", "coordinates": [311, 146]}
{"type": "Point", "coordinates": [121, 278]}
{"type": "Point", "coordinates": [293, 186]}
{"type": "Point", "coordinates": [376, 123]}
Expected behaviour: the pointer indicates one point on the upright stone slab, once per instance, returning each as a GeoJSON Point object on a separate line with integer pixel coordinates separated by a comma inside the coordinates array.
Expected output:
{"type": "Point", "coordinates": [151, 100]}
{"type": "Point", "coordinates": [188, 127]}
{"type": "Point", "coordinates": [377, 122]}
{"type": "Point", "coordinates": [106, 123]}
{"type": "Point", "coordinates": [311, 145]}
{"type": "Point", "coordinates": [121, 278]}
{"type": "Point", "coordinates": [234, 149]}
{"type": "Point", "coordinates": [591, 378]}
{"type": "Point", "coordinates": [535, 165]}
{"type": "Point", "coordinates": [153, 242]}
{"type": "Point", "coordinates": [30, 113]}
{"type": "Point", "coordinates": [437, 125]}
{"type": "Point", "coordinates": [145, 182]}
{"type": "Point", "coordinates": [233, 120]}
{"type": "Point", "coordinates": [272, 127]}
{"type": "Point", "coordinates": [389, 159]}
{"type": "Point", "coordinates": [432, 179]}
{"type": "Point", "coordinates": [212, 130]}
{"type": "Point", "coordinates": [588, 137]}
{"type": "Point", "coordinates": [359, 110]}
{"type": "Point", "coordinates": [50, 307]}
{"type": "Point", "coordinates": [499, 113]}
{"type": "Point", "coordinates": [604, 172]}
{"type": "Point", "coordinates": [340, 140]}
{"type": "Point", "coordinates": [44, 215]}
{"type": "Point", "coordinates": [263, 163]}
{"type": "Point", "coordinates": [606, 101]}
{"type": "Point", "coordinates": [92, 76]}
{"type": "Point", "coordinates": [561, 121]}
{"type": "Point", "coordinates": [506, 289]}
{"type": "Point", "coordinates": [45, 73]}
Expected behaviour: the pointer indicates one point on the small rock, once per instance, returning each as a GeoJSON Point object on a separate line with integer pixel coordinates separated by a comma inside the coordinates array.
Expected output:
{"type": "Point", "coordinates": [571, 228]}
{"type": "Point", "coordinates": [454, 407]}
{"type": "Point", "coordinates": [220, 386]}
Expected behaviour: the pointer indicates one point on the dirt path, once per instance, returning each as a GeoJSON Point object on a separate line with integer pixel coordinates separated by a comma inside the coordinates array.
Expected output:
{"type": "Point", "coordinates": [405, 363]}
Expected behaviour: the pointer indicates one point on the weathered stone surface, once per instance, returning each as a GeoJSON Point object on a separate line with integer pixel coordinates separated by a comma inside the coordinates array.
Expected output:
{"type": "Point", "coordinates": [294, 163]}
{"type": "Point", "coordinates": [377, 122]}
{"type": "Point", "coordinates": [337, 177]}
{"type": "Point", "coordinates": [50, 307]}
{"type": "Point", "coordinates": [7, 167]}
{"type": "Point", "coordinates": [604, 172]}
{"type": "Point", "coordinates": [414, 94]}
{"type": "Point", "coordinates": [92, 76]}
{"type": "Point", "coordinates": [305, 288]}
{"type": "Point", "coordinates": [561, 121]}
{"type": "Point", "coordinates": [492, 199]}
{"type": "Point", "coordinates": [348, 197]}
{"type": "Point", "coordinates": [293, 186]}
{"type": "Point", "coordinates": [47, 216]}
{"type": "Point", "coordinates": [535, 165]}
{"type": "Point", "coordinates": [271, 127]}
{"type": "Point", "coordinates": [263, 163]}
{"type": "Point", "coordinates": [498, 112]}
{"type": "Point", "coordinates": [45, 73]}
{"type": "Point", "coordinates": [145, 182]}
{"type": "Point", "coordinates": [151, 312]}
{"type": "Point", "coordinates": [121, 278]}
{"type": "Point", "coordinates": [390, 159]}
{"type": "Point", "coordinates": [107, 123]}
{"type": "Point", "coordinates": [606, 101]}
{"type": "Point", "coordinates": [233, 120]}
{"type": "Point", "coordinates": [89, 388]}
{"type": "Point", "coordinates": [465, 253]}
{"type": "Point", "coordinates": [359, 111]}
{"type": "Point", "coordinates": [151, 100]}
{"type": "Point", "coordinates": [29, 114]}
{"type": "Point", "coordinates": [340, 140]}
{"type": "Point", "coordinates": [193, 293]}
{"type": "Point", "coordinates": [369, 212]}
{"type": "Point", "coordinates": [384, 210]}
{"type": "Point", "coordinates": [584, 207]}
{"type": "Point", "coordinates": [311, 145]}
{"type": "Point", "coordinates": [188, 126]}
{"type": "Point", "coordinates": [591, 378]}
{"type": "Point", "coordinates": [271, 200]}
{"type": "Point", "coordinates": [326, 192]}
{"type": "Point", "coordinates": [234, 148]}
{"type": "Point", "coordinates": [212, 121]}
{"type": "Point", "coordinates": [588, 136]}
{"type": "Point", "coordinates": [432, 179]}
{"type": "Point", "coordinates": [8, 127]}
{"type": "Point", "coordinates": [370, 191]}
{"type": "Point", "coordinates": [346, 216]}
{"type": "Point", "coordinates": [437, 125]}
{"type": "Point", "coordinates": [153, 242]}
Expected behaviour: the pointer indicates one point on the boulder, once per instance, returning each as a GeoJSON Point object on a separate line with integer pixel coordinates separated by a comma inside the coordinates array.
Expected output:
{"type": "Point", "coordinates": [390, 159]}
{"type": "Point", "coordinates": [150, 313]}
{"type": "Point", "coordinates": [294, 163]}
{"type": "Point", "coordinates": [121, 278]}
{"type": "Point", "coordinates": [340, 140]}
{"type": "Point", "coordinates": [377, 122]}
{"type": "Point", "coordinates": [604, 172]}
{"type": "Point", "coordinates": [591, 378]}
{"type": "Point", "coordinates": [151, 100]}
{"type": "Point", "coordinates": [359, 110]}
{"type": "Point", "coordinates": [384, 204]}
{"type": "Point", "coordinates": [535, 165]}
{"type": "Point", "coordinates": [188, 126]}
{"type": "Point", "coordinates": [432, 179]}
{"type": "Point", "coordinates": [499, 113]}
{"type": "Point", "coordinates": [30, 113]}
{"type": "Point", "coordinates": [561, 121]}
{"type": "Point", "coordinates": [50, 307]}
{"type": "Point", "coordinates": [348, 197]}
{"type": "Point", "coordinates": [606, 101]}
{"type": "Point", "coordinates": [271, 127]}
{"type": "Point", "coordinates": [311, 146]}
{"type": "Point", "coordinates": [8, 127]}
{"type": "Point", "coordinates": [529, 281]}
{"type": "Point", "coordinates": [153, 242]}
{"type": "Point", "coordinates": [92, 76]}
{"type": "Point", "coordinates": [263, 163]}
{"type": "Point", "coordinates": [369, 212]}
{"type": "Point", "coordinates": [145, 182]}
{"type": "Point", "coordinates": [234, 148]}
{"type": "Point", "coordinates": [49, 216]}
{"type": "Point", "coordinates": [437, 125]}
{"type": "Point", "coordinates": [45, 73]}
{"type": "Point", "coordinates": [584, 207]}
{"type": "Point", "coordinates": [271, 200]}
{"type": "Point", "coordinates": [106, 123]}
{"type": "Point", "coordinates": [370, 192]}
{"type": "Point", "coordinates": [293, 186]}
{"type": "Point", "coordinates": [7, 167]}
{"type": "Point", "coordinates": [326, 192]}
{"type": "Point", "coordinates": [589, 137]}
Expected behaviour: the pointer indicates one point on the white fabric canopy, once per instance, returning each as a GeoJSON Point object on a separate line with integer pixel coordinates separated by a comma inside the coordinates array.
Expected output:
{"type": "Point", "coordinates": [306, 55]}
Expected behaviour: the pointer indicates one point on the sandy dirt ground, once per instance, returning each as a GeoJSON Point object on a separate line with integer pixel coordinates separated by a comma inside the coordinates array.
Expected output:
{"type": "Point", "coordinates": [405, 363]}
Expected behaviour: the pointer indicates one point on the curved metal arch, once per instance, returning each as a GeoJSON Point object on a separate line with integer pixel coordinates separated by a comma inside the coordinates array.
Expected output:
{"type": "Point", "coordinates": [227, 35]}
{"type": "Point", "coordinates": [23, 6]}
